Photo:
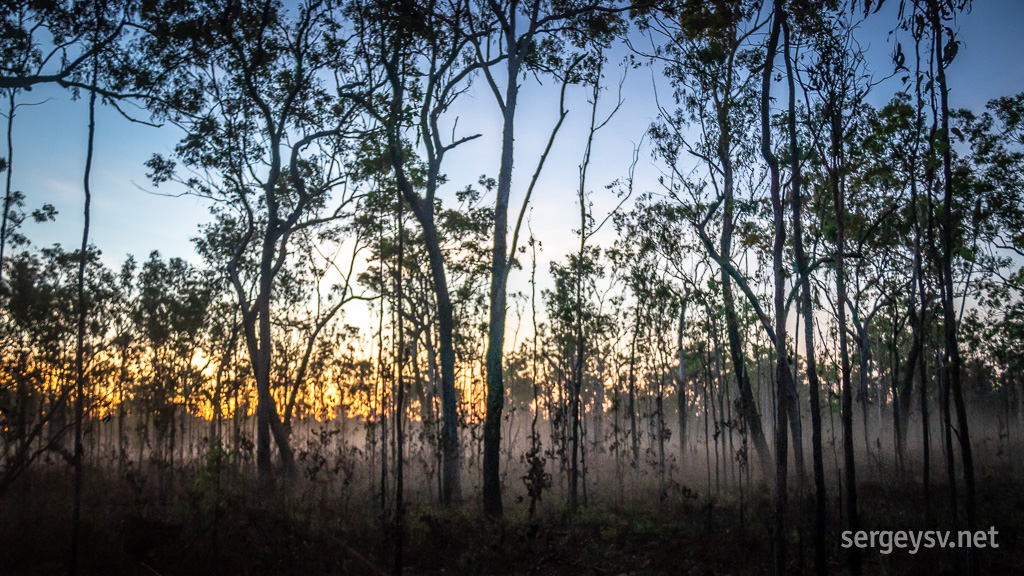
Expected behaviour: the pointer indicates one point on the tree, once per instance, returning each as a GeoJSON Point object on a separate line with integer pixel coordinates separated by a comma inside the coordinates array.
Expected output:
{"type": "Point", "coordinates": [39, 336]}
{"type": "Point", "coordinates": [706, 53]}
{"type": "Point", "coordinates": [533, 44]}
{"type": "Point", "coordinates": [834, 78]}
{"type": "Point", "coordinates": [806, 305]}
{"type": "Point", "coordinates": [410, 42]}
{"type": "Point", "coordinates": [267, 140]}
{"type": "Point", "coordinates": [55, 42]}
{"type": "Point", "coordinates": [943, 54]}
{"type": "Point", "coordinates": [582, 260]}
{"type": "Point", "coordinates": [783, 374]}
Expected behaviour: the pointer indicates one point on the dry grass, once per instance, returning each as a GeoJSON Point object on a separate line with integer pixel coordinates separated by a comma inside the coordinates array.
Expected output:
{"type": "Point", "coordinates": [182, 525]}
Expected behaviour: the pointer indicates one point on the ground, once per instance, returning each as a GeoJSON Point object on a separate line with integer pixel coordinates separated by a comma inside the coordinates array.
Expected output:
{"type": "Point", "coordinates": [187, 524]}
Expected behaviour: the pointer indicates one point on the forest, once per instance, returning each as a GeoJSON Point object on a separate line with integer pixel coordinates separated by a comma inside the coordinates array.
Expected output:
{"type": "Point", "coordinates": [792, 315]}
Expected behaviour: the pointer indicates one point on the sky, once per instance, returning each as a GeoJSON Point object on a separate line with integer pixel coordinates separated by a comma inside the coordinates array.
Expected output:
{"type": "Point", "coordinates": [50, 133]}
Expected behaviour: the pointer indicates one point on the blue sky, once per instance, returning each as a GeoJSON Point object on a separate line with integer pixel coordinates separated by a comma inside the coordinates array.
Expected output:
{"type": "Point", "coordinates": [50, 146]}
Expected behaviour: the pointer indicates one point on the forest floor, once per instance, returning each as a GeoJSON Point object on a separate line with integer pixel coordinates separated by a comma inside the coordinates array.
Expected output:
{"type": "Point", "coordinates": [189, 524]}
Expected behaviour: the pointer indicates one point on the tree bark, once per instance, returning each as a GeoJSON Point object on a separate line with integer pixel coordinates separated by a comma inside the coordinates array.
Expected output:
{"type": "Point", "coordinates": [499, 277]}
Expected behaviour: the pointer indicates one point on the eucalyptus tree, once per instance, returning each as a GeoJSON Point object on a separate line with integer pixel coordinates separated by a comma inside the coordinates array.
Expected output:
{"type": "Point", "coordinates": [894, 176]}
{"type": "Point", "coordinates": [880, 178]}
{"type": "Point", "coordinates": [268, 140]}
{"type": "Point", "coordinates": [929, 21]}
{"type": "Point", "coordinates": [593, 68]}
{"type": "Point", "coordinates": [792, 28]}
{"type": "Point", "coordinates": [982, 213]}
{"type": "Point", "coordinates": [988, 167]}
{"type": "Point", "coordinates": [521, 36]}
{"type": "Point", "coordinates": [944, 50]}
{"type": "Point", "coordinates": [101, 23]}
{"type": "Point", "coordinates": [461, 232]}
{"type": "Point", "coordinates": [418, 56]}
{"type": "Point", "coordinates": [921, 207]}
{"type": "Point", "coordinates": [576, 322]}
{"type": "Point", "coordinates": [709, 56]}
{"type": "Point", "coordinates": [836, 79]}
{"type": "Point", "coordinates": [783, 375]}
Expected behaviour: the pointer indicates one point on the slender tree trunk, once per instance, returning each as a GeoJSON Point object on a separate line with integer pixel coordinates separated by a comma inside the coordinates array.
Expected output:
{"type": "Point", "coordinates": [947, 435]}
{"type": "Point", "coordinates": [659, 410]}
{"type": "Point", "coordinates": [953, 367]}
{"type": "Point", "coordinates": [267, 420]}
{"type": "Point", "coordinates": [579, 364]}
{"type": "Point", "coordinates": [926, 443]}
{"type": "Point", "coordinates": [82, 310]}
{"type": "Point", "coordinates": [904, 402]}
{"type": "Point", "coordinates": [706, 410]}
{"type": "Point", "coordinates": [839, 200]}
{"type": "Point", "coordinates": [536, 463]}
{"type": "Point", "coordinates": [863, 359]}
{"type": "Point", "coordinates": [399, 403]}
{"type": "Point", "coordinates": [499, 277]}
{"type": "Point", "coordinates": [681, 393]}
{"type": "Point", "coordinates": [450, 450]}
{"type": "Point", "coordinates": [783, 375]}
{"type": "Point", "coordinates": [921, 322]}
{"type": "Point", "coordinates": [577, 374]}
{"type": "Point", "coordinates": [719, 378]}
{"type": "Point", "coordinates": [748, 406]}
{"type": "Point", "coordinates": [423, 210]}
{"type": "Point", "coordinates": [632, 384]}
{"type": "Point", "coordinates": [10, 167]}
{"type": "Point", "coordinates": [806, 304]}
{"type": "Point", "coordinates": [728, 417]}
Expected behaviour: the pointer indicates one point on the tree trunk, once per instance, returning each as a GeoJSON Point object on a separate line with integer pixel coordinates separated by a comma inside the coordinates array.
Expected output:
{"type": "Point", "coordinates": [803, 278]}
{"type": "Point", "coordinates": [631, 406]}
{"type": "Point", "coordinates": [681, 384]}
{"type": "Point", "coordinates": [953, 367]}
{"type": "Point", "coordinates": [499, 277]}
{"type": "Point", "coordinates": [10, 166]}
{"type": "Point", "coordinates": [423, 210]}
{"type": "Point", "coordinates": [748, 407]}
{"type": "Point", "coordinates": [835, 117]}
{"type": "Point", "coordinates": [779, 539]}
{"type": "Point", "coordinates": [399, 404]}
{"type": "Point", "coordinates": [82, 313]}
{"type": "Point", "coordinates": [450, 452]}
